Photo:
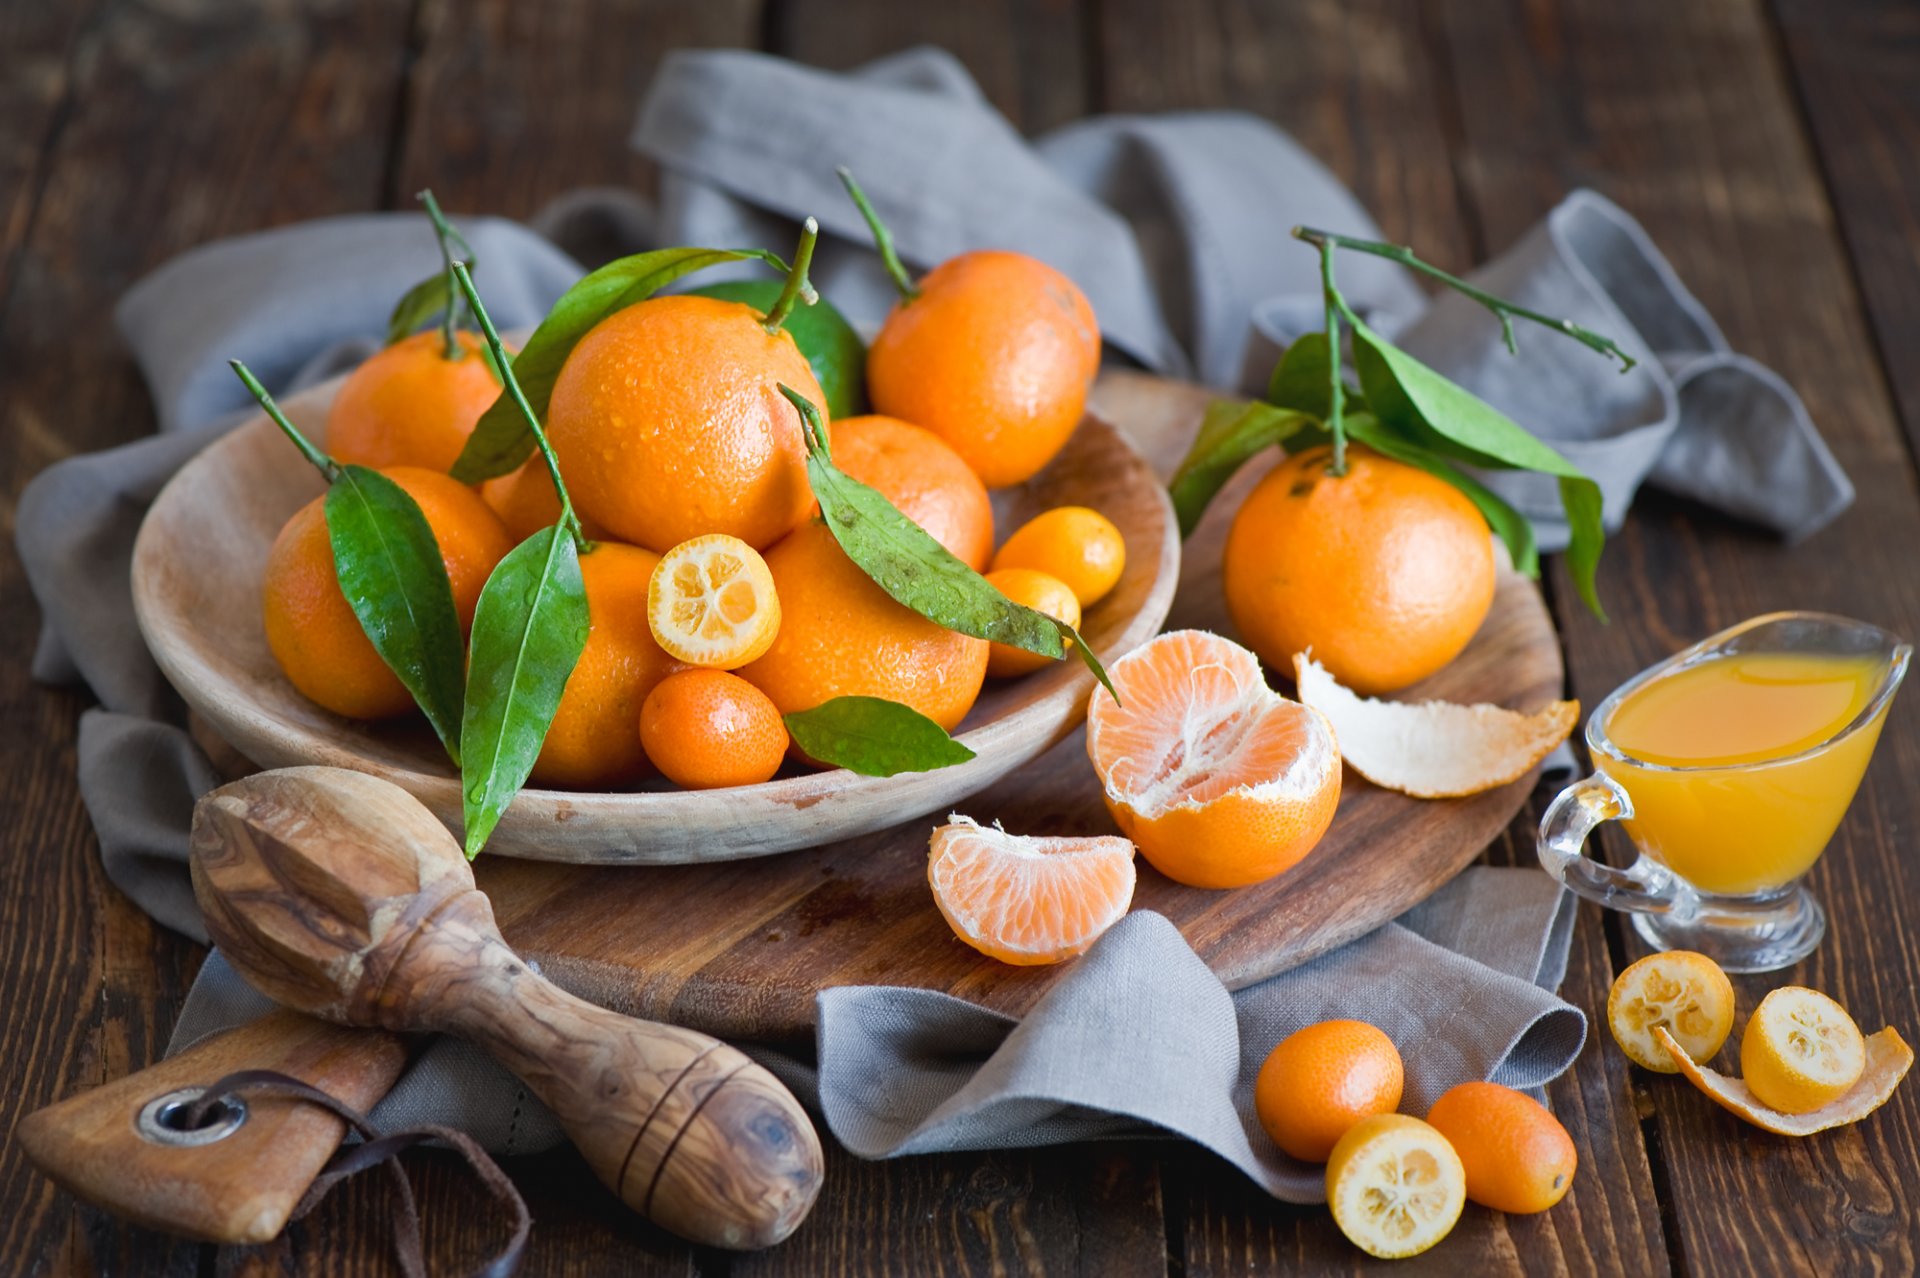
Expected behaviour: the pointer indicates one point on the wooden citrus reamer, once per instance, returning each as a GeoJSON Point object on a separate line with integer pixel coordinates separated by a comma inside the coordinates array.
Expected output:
{"type": "Point", "coordinates": [337, 893]}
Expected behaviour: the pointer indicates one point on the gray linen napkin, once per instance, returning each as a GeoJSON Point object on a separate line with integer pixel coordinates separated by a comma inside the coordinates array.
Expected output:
{"type": "Point", "coordinates": [1176, 227]}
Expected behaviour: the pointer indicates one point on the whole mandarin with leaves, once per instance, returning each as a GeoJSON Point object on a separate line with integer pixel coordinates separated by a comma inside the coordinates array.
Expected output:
{"type": "Point", "coordinates": [669, 424]}
{"type": "Point", "coordinates": [1518, 1157]}
{"type": "Point", "coordinates": [1038, 591]}
{"type": "Point", "coordinates": [995, 355]}
{"type": "Point", "coordinates": [1385, 572]}
{"type": "Point", "coordinates": [1321, 1080]}
{"type": "Point", "coordinates": [1075, 544]}
{"type": "Point", "coordinates": [841, 635]}
{"type": "Point", "coordinates": [311, 628]}
{"type": "Point", "coordinates": [924, 478]}
{"type": "Point", "coordinates": [707, 729]}
{"type": "Point", "coordinates": [594, 740]}
{"type": "Point", "coordinates": [526, 502]}
{"type": "Point", "coordinates": [410, 405]}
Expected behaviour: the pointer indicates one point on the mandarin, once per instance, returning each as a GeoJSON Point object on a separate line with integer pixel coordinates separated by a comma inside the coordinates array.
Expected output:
{"type": "Point", "coordinates": [995, 356]}
{"type": "Point", "coordinates": [669, 424]}
{"type": "Point", "coordinates": [594, 740]}
{"type": "Point", "coordinates": [1220, 780]}
{"type": "Point", "coordinates": [924, 478]}
{"type": "Point", "coordinates": [1041, 592]}
{"type": "Point", "coordinates": [841, 635]}
{"type": "Point", "coordinates": [1385, 572]}
{"type": "Point", "coordinates": [311, 628]}
{"type": "Point", "coordinates": [526, 502]}
{"type": "Point", "coordinates": [1517, 1156]}
{"type": "Point", "coordinates": [1321, 1080]}
{"type": "Point", "coordinates": [705, 729]}
{"type": "Point", "coordinates": [1078, 545]}
{"type": "Point", "coordinates": [409, 405]}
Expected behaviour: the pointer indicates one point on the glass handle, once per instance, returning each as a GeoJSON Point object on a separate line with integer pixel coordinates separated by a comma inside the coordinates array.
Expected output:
{"type": "Point", "coordinates": [1647, 887]}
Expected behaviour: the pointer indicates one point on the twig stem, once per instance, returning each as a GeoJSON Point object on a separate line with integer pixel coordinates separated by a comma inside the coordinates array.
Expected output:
{"type": "Point", "coordinates": [326, 465]}
{"type": "Point", "coordinates": [882, 237]}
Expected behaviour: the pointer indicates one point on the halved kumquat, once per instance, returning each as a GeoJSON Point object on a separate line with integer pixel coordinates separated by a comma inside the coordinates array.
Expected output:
{"type": "Point", "coordinates": [712, 602]}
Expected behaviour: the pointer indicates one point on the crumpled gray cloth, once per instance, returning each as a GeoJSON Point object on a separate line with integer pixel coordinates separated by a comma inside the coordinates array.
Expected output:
{"type": "Point", "coordinates": [1176, 226]}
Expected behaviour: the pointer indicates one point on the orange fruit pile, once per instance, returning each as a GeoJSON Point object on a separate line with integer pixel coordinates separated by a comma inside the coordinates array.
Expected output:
{"type": "Point", "coordinates": [409, 405]}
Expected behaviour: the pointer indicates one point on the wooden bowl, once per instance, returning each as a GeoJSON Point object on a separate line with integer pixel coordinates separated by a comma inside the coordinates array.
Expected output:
{"type": "Point", "coordinates": [196, 589]}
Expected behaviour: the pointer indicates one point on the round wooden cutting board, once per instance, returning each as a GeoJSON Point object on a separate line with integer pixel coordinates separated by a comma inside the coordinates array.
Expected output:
{"type": "Point", "coordinates": [740, 948]}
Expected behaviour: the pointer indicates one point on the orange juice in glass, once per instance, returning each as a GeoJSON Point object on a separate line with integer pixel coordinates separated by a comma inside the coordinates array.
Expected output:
{"type": "Point", "coordinates": [1730, 766]}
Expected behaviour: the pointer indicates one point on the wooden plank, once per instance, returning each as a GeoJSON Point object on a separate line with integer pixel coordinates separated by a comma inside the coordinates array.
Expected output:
{"type": "Point", "coordinates": [1375, 103]}
{"type": "Point", "coordinates": [182, 124]}
{"type": "Point", "coordinates": [1682, 113]}
{"type": "Point", "coordinates": [1855, 66]}
{"type": "Point", "coordinates": [37, 47]}
{"type": "Point", "coordinates": [511, 104]}
{"type": "Point", "coordinates": [1028, 56]}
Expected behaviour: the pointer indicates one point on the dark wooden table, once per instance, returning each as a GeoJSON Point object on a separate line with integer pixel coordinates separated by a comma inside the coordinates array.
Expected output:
{"type": "Point", "coordinates": [1773, 150]}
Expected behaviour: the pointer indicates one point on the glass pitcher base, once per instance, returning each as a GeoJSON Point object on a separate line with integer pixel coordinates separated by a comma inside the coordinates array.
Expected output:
{"type": "Point", "coordinates": [1744, 938]}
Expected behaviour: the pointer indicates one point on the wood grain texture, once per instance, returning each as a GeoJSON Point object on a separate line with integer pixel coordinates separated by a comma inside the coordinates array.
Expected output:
{"type": "Point", "coordinates": [1854, 66]}
{"type": "Point", "coordinates": [146, 151]}
{"type": "Point", "coordinates": [242, 1188]}
{"type": "Point", "coordinates": [1683, 115]}
{"type": "Point", "coordinates": [202, 551]}
{"type": "Point", "coordinates": [338, 894]}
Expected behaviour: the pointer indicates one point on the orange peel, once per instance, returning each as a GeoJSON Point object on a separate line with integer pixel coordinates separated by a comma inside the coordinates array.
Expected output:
{"type": "Point", "coordinates": [1433, 749]}
{"type": "Point", "coordinates": [1888, 1060]}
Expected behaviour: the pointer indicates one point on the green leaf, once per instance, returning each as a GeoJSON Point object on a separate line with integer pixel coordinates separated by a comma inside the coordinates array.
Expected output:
{"type": "Point", "coordinates": [392, 573]}
{"type": "Point", "coordinates": [1231, 433]}
{"type": "Point", "coordinates": [1300, 379]}
{"type": "Point", "coordinates": [1452, 421]}
{"type": "Point", "coordinates": [528, 630]}
{"type": "Point", "coordinates": [501, 440]}
{"type": "Point", "coordinates": [1513, 528]}
{"type": "Point", "coordinates": [419, 304]}
{"type": "Point", "coordinates": [874, 737]}
{"type": "Point", "coordinates": [904, 560]}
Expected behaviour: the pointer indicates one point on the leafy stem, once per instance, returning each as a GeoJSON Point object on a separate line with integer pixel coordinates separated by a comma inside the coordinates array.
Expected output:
{"type": "Point", "coordinates": [882, 237]}
{"type": "Point", "coordinates": [798, 288]}
{"type": "Point", "coordinates": [1336, 383]}
{"type": "Point", "coordinates": [326, 465]}
{"type": "Point", "coordinates": [449, 240]}
{"type": "Point", "coordinates": [1504, 311]}
{"type": "Point", "coordinates": [569, 521]}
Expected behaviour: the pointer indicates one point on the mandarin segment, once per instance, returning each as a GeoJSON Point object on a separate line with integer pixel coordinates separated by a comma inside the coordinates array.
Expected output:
{"type": "Point", "coordinates": [1220, 780]}
{"type": "Point", "coordinates": [311, 629]}
{"type": "Point", "coordinates": [1028, 900]}
{"type": "Point", "coordinates": [594, 740]}
{"type": "Point", "coordinates": [1321, 1080]}
{"type": "Point", "coordinates": [669, 423]}
{"type": "Point", "coordinates": [712, 602]}
{"type": "Point", "coordinates": [1385, 572]}
{"type": "Point", "coordinates": [1678, 990]}
{"type": "Point", "coordinates": [706, 729]}
{"type": "Point", "coordinates": [995, 356]}
{"type": "Point", "coordinates": [409, 405]}
{"type": "Point", "coordinates": [841, 635]}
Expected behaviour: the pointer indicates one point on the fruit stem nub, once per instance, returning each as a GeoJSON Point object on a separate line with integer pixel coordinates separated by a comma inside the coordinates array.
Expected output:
{"type": "Point", "coordinates": [326, 465]}
{"type": "Point", "coordinates": [568, 519]}
{"type": "Point", "coordinates": [449, 238]}
{"type": "Point", "coordinates": [882, 237]}
{"type": "Point", "coordinates": [798, 288]}
{"type": "Point", "coordinates": [813, 431]}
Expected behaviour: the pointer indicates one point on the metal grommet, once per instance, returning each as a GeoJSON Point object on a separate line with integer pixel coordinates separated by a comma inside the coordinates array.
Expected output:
{"type": "Point", "coordinates": [160, 1118]}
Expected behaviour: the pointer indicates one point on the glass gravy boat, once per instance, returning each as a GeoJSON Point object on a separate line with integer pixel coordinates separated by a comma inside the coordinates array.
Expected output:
{"type": "Point", "coordinates": [1724, 845]}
